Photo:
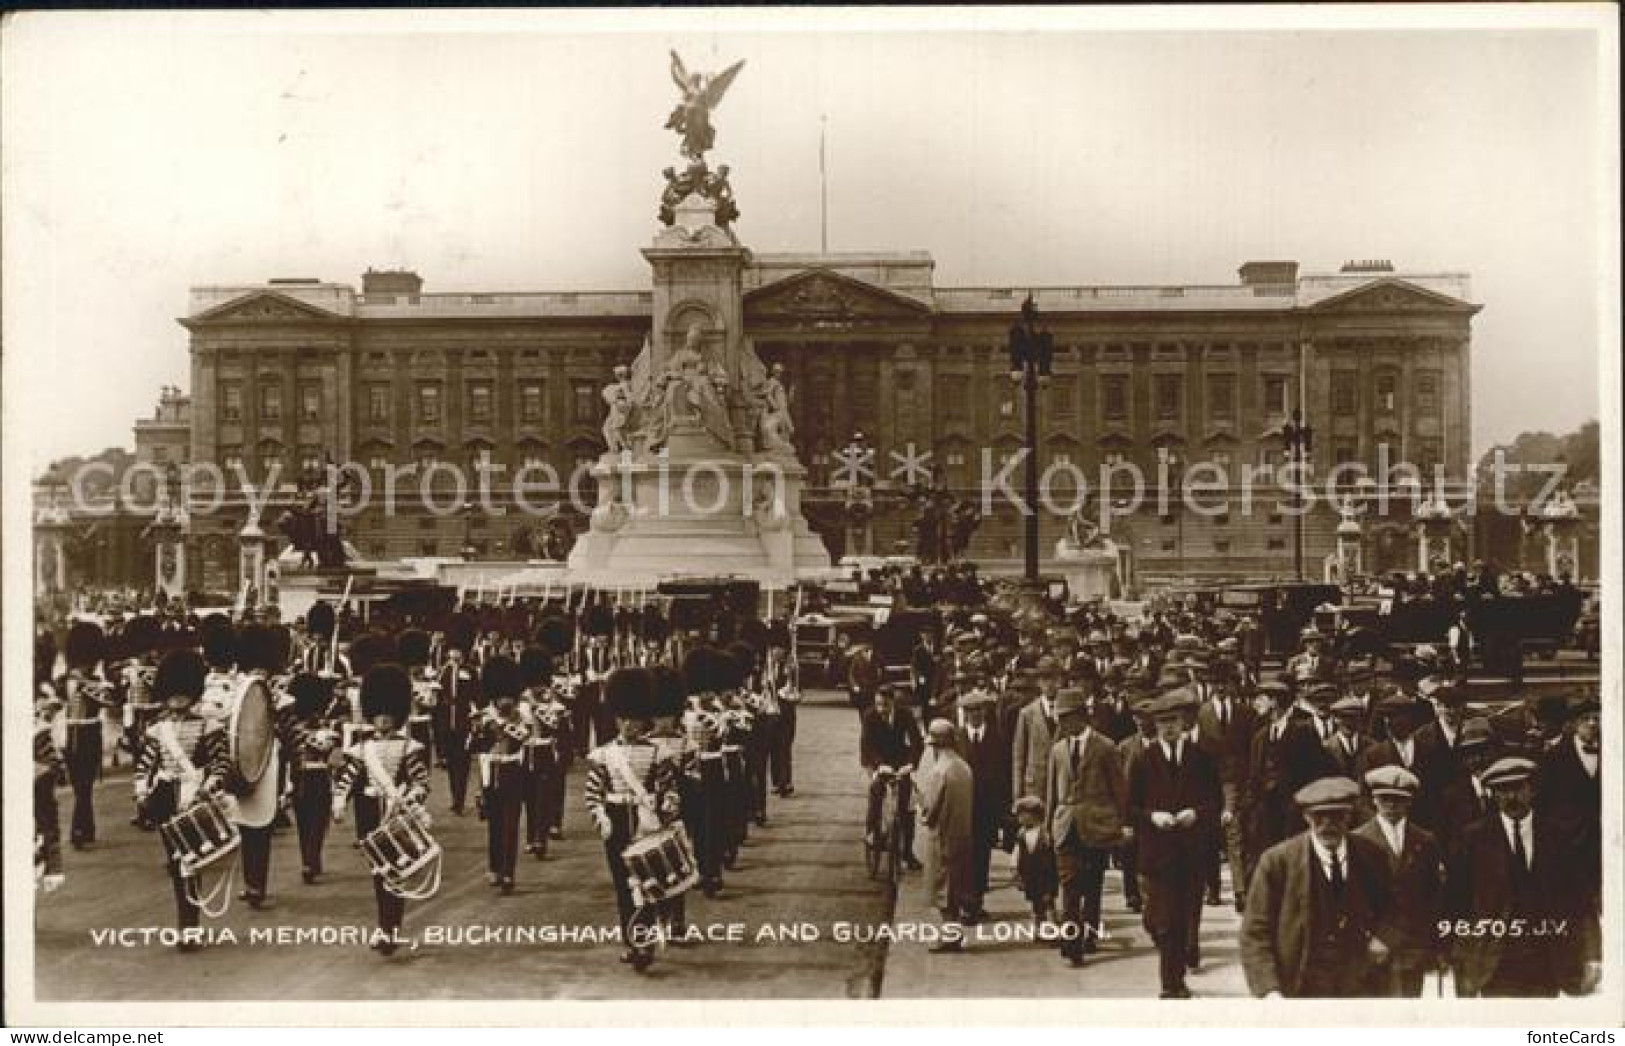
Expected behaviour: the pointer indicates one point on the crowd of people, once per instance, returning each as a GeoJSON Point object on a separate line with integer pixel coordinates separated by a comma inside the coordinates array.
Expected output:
{"type": "Point", "coordinates": [683, 733]}
{"type": "Point", "coordinates": [1377, 825]}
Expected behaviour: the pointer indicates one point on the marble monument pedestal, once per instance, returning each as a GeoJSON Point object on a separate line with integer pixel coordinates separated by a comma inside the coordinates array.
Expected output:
{"type": "Point", "coordinates": [694, 512]}
{"type": "Point", "coordinates": [1091, 573]}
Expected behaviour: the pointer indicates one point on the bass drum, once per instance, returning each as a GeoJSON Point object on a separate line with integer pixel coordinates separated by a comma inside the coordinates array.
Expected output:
{"type": "Point", "coordinates": [252, 736]}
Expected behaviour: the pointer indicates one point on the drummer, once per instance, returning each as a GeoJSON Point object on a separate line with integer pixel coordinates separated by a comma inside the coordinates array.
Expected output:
{"type": "Point", "coordinates": [183, 757]}
{"type": "Point", "coordinates": [630, 793]}
{"type": "Point", "coordinates": [391, 769]}
{"type": "Point", "coordinates": [262, 654]}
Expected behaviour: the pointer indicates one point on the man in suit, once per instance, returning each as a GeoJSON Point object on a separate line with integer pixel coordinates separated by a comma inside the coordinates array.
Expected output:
{"type": "Point", "coordinates": [1174, 800]}
{"type": "Point", "coordinates": [988, 753]}
{"type": "Point", "coordinates": [1524, 869]}
{"type": "Point", "coordinates": [1438, 761]}
{"type": "Point", "coordinates": [1285, 756]}
{"type": "Point", "coordinates": [1035, 735]}
{"type": "Point", "coordinates": [1568, 779]}
{"type": "Point", "coordinates": [1463, 798]}
{"type": "Point", "coordinates": [890, 737]}
{"type": "Point", "coordinates": [1416, 873]}
{"type": "Point", "coordinates": [947, 801]}
{"type": "Point", "coordinates": [1087, 802]}
{"type": "Point", "coordinates": [1224, 730]}
{"type": "Point", "coordinates": [1131, 750]}
{"type": "Point", "coordinates": [1400, 715]}
{"type": "Point", "coordinates": [1313, 927]}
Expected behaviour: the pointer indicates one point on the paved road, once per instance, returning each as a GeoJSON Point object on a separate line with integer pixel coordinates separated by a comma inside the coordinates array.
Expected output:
{"type": "Point", "coordinates": [804, 868]}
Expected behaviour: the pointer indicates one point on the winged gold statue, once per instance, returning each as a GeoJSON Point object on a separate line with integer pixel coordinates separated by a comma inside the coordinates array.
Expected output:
{"type": "Point", "coordinates": [701, 94]}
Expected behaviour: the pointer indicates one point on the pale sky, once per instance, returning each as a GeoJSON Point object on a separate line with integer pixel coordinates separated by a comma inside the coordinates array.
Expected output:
{"type": "Point", "coordinates": [147, 153]}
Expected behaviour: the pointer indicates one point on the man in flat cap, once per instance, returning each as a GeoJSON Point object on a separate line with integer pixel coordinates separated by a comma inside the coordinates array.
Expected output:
{"type": "Point", "coordinates": [1087, 799]}
{"type": "Point", "coordinates": [947, 796]}
{"type": "Point", "coordinates": [987, 752]}
{"type": "Point", "coordinates": [1523, 896]}
{"type": "Point", "coordinates": [1174, 802]}
{"type": "Point", "coordinates": [1416, 871]}
{"type": "Point", "coordinates": [1314, 926]}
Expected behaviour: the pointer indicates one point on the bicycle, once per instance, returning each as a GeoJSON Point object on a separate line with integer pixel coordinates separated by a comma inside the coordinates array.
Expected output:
{"type": "Point", "coordinates": [885, 850]}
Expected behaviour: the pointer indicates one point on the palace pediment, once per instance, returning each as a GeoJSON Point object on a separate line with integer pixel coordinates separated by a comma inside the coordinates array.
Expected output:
{"type": "Point", "coordinates": [1392, 295]}
{"type": "Point", "coordinates": [825, 298]}
{"type": "Point", "coordinates": [264, 307]}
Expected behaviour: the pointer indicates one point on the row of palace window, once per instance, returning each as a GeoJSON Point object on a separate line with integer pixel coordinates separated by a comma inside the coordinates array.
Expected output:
{"type": "Point", "coordinates": [1168, 395]}
{"type": "Point", "coordinates": [480, 405]}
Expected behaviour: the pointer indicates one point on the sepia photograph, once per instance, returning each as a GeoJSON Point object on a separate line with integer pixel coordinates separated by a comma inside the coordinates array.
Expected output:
{"type": "Point", "coordinates": [811, 515]}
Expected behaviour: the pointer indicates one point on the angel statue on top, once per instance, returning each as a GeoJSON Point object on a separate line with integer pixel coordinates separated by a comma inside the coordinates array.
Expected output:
{"type": "Point", "coordinates": [701, 94]}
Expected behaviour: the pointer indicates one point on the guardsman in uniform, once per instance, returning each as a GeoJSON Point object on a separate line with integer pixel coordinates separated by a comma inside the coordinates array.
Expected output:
{"type": "Point", "coordinates": [500, 740]}
{"type": "Point", "coordinates": [415, 647]}
{"type": "Point", "coordinates": [674, 747]}
{"type": "Point", "coordinates": [459, 693]}
{"type": "Point", "coordinates": [262, 652]}
{"type": "Point", "coordinates": [546, 752]}
{"type": "Point", "coordinates": [763, 712]}
{"type": "Point", "coordinates": [84, 695]}
{"type": "Point", "coordinates": [218, 637]}
{"type": "Point", "coordinates": [315, 748]}
{"type": "Point", "coordinates": [704, 793]}
{"type": "Point", "coordinates": [1416, 871]}
{"type": "Point", "coordinates": [48, 773]}
{"type": "Point", "coordinates": [183, 757]}
{"type": "Point", "coordinates": [630, 793]}
{"type": "Point", "coordinates": [1174, 802]}
{"type": "Point", "coordinates": [598, 625]}
{"type": "Point", "coordinates": [1314, 926]}
{"type": "Point", "coordinates": [381, 770]}
{"type": "Point", "coordinates": [1521, 869]}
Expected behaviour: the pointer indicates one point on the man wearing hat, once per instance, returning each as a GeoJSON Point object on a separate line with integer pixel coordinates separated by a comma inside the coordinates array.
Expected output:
{"type": "Point", "coordinates": [947, 799]}
{"type": "Point", "coordinates": [1286, 755]}
{"type": "Point", "coordinates": [1455, 801]}
{"type": "Point", "coordinates": [1400, 715]}
{"type": "Point", "coordinates": [83, 696]}
{"type": "Point", "coordinates": [1174, 804]}
{"type": "Point", "coordinates": [1225, 725]}
{"type": "Point", "coordinates": [313, 752]}
{"type": "Point", "coordinates": [1569, 774]}
{"type": "Point", "coordinates": [1035, 734]}
{"type": "Point", "coordinates": [1087, 799]}
{"type": "Point", "coordinates": [1529, 872]}
{"type": "Point", "coordinates": [630, 792]}
{"type": "Point", "coordinates": [182, 758]}
{"type": "Point", "coordinates": [1310, 663]}
{"type": "Point", "coordinates": [1314, 926]}
{"type": "Point", "coordinates": [890, 737]}
{"type": "Point", "coordinates": [498, 740]}
{"type": "Point", "coordinates": [382, 772]}
{"type": "Point", "coordinates": [988, 753]}
{"type": "Point", "coordinates": [458, 693]}
{"type": "Point", "coordinates": [1348, 742]}
{"type": "Point", "coordinates": [1416, 874]}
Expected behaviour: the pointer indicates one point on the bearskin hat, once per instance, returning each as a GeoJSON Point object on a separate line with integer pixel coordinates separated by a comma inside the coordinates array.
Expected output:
{"type": "Point", "coordinates": [670, 695]}
{"type": "Point", "coordinates": [744, 657]}
{"type": "Point", "coordinates": [311, 694]}
{"type": "Point", "coordinates": [500, 678]}
{"type": "Point", "coordinates": [629, 693]}
{"type": "Point", "coordinates": [386, 690]}
{"type": "Point", "coordinates": [181, 673]}
{"type": "Point", "coordinates": [263, 647]}
{"type": "Point", "coordinates": [219, 641]}
{"type": "Point", "coordinates": [321, 619]}
{"type": "Point", "coordinates": [555, 635]}
{"type": "Point", "coordinates": [142, 635]}
{"type": "Point", "coordinates": [598, 619]}
{"type": "Point", "coordinates": [367, 651]}
{"type": "Point", "coordinates": [702, 670]}
{"type": "Point", "coordinates": [85, 645]}
{"type": "Point", "coordinates": [535, 666]}
{"type": "Point", "coordinates": [653, 626]}
{"type": "Point", "coordinates": [413, 647]}
{"type": "Point", "coordinates": [461, 631]}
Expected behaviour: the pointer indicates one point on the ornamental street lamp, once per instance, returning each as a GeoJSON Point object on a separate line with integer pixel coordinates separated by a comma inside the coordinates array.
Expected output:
{"type": "Point", "coordinates": [1031, 352]}
{"type": "Point", "coordinates": [468, 531]}
{"type": "Point", "coordinates": [860, 504]}
{"type": "Point", "coordinates": [1299, 439]}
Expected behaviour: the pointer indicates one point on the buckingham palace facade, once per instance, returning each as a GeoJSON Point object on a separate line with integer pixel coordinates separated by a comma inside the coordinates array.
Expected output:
{"type": "Point", "coordinates": [294, 372]}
